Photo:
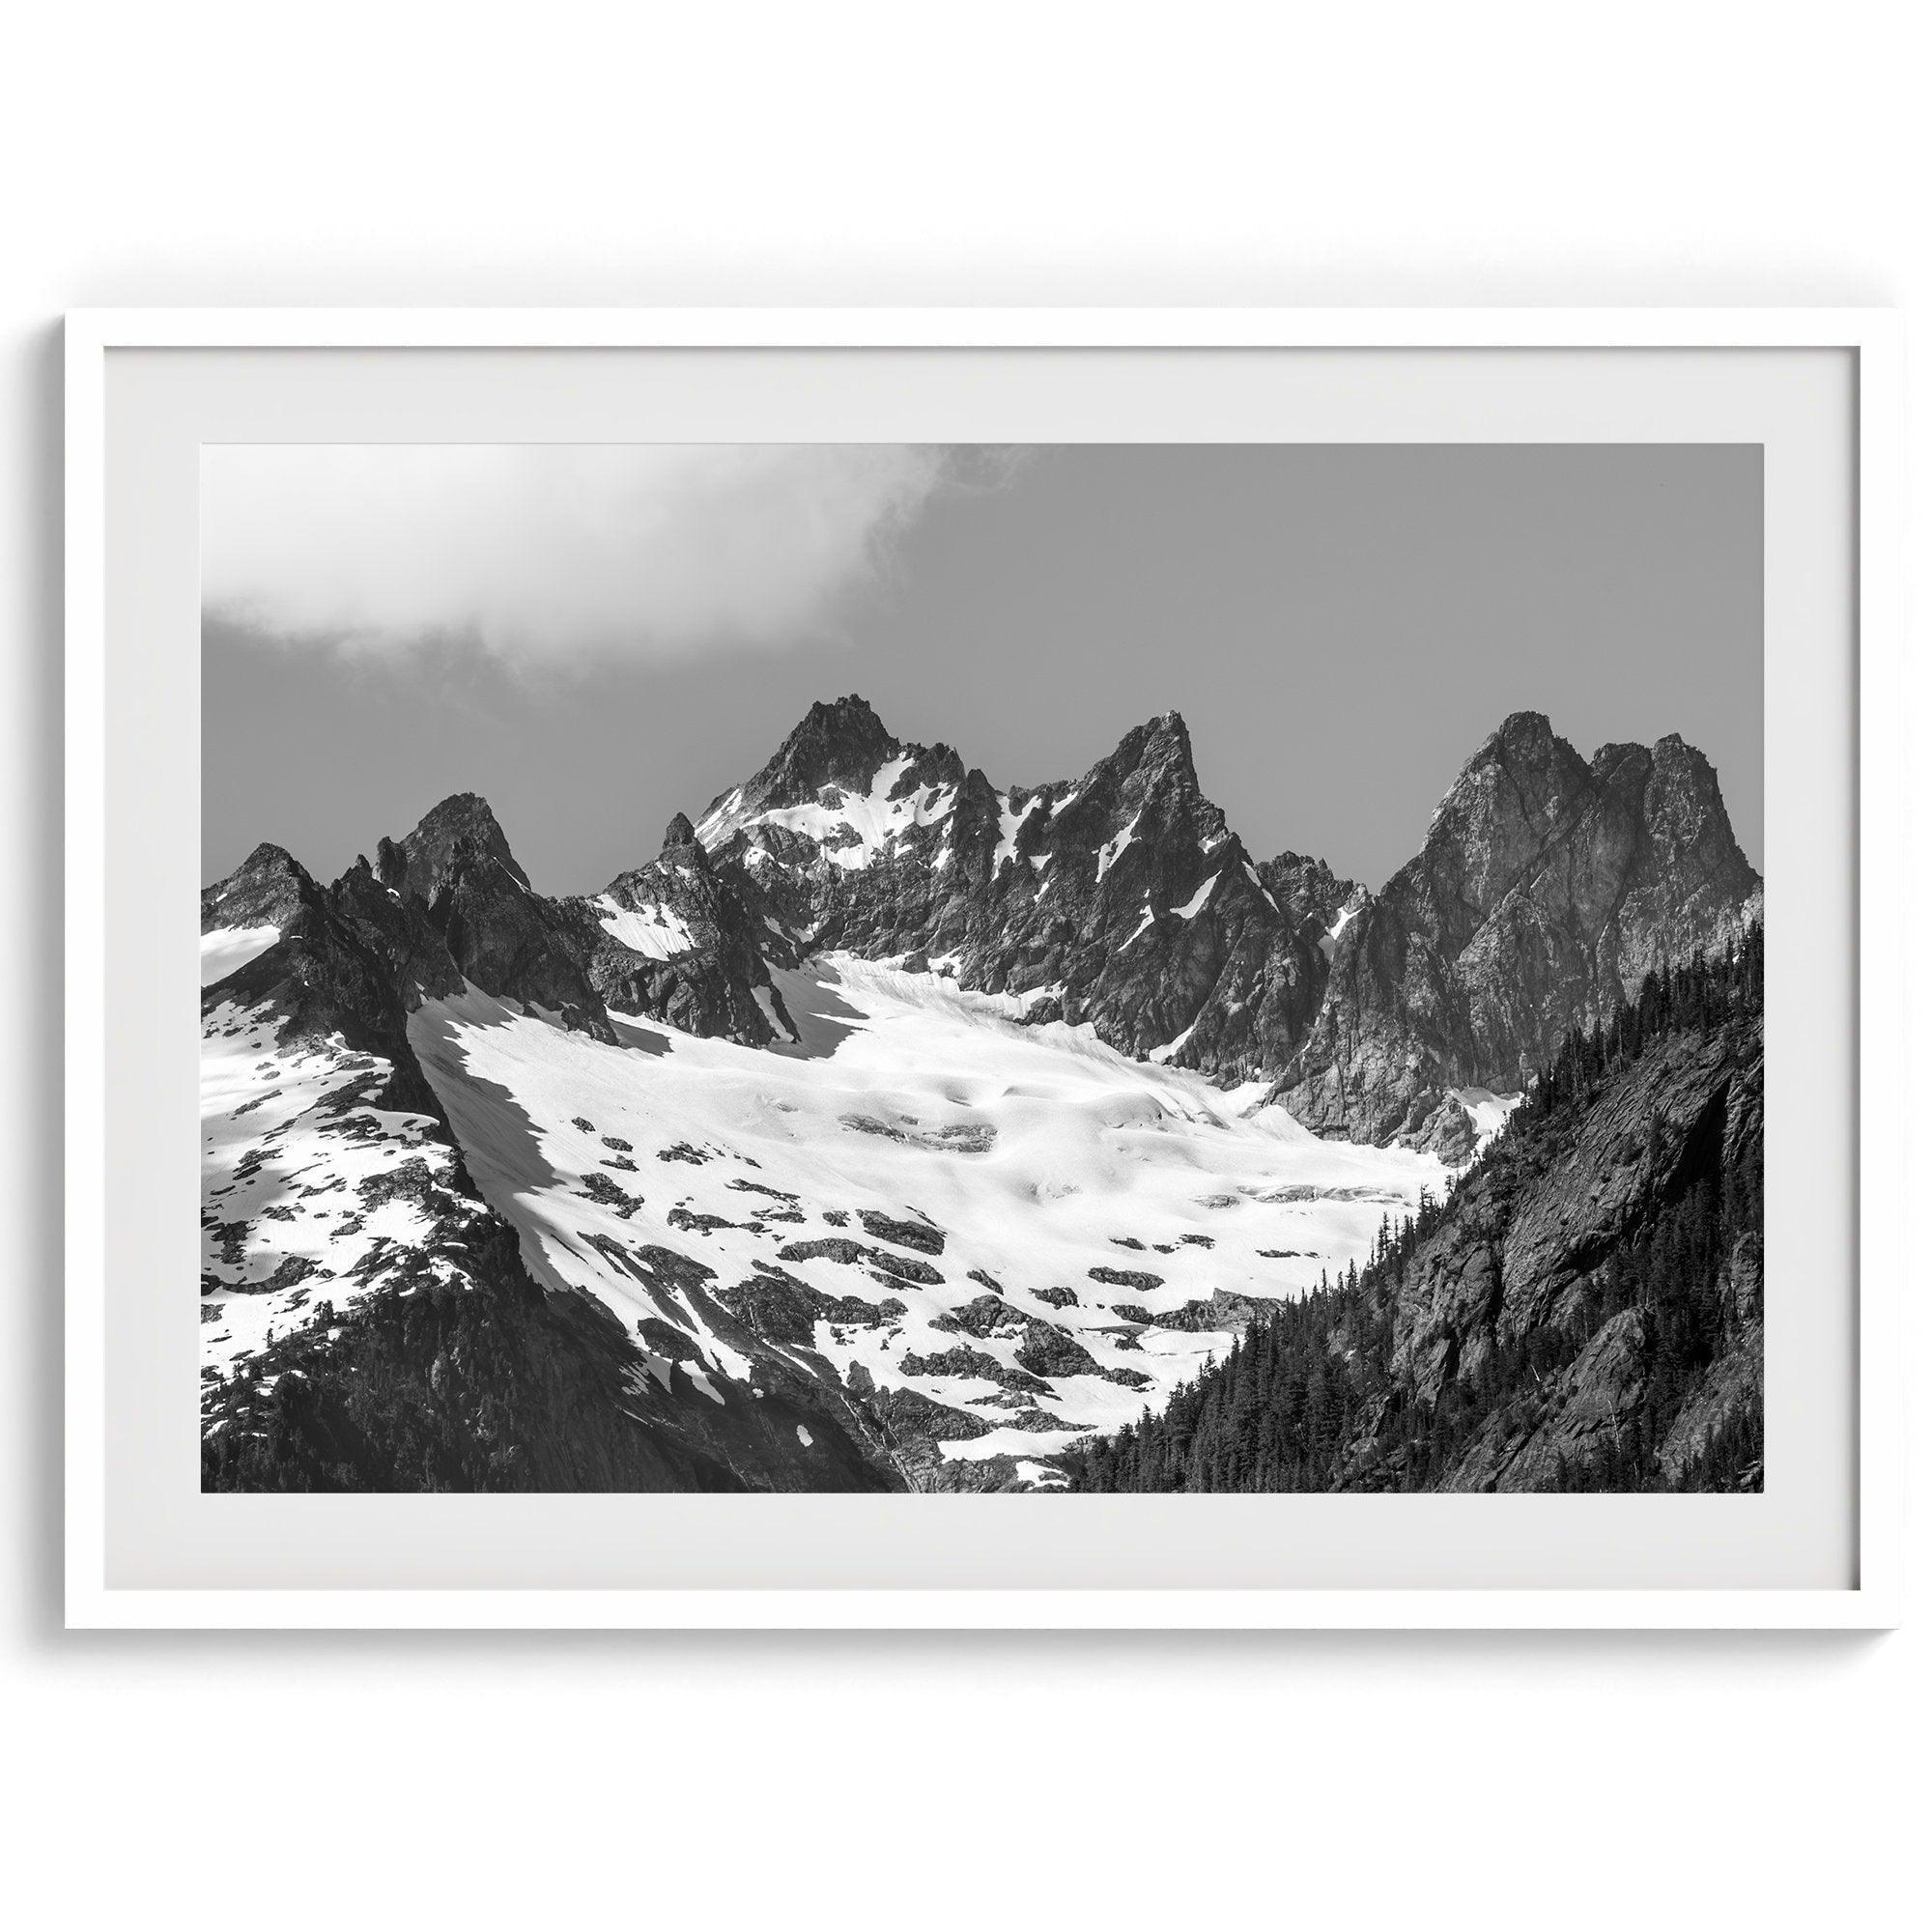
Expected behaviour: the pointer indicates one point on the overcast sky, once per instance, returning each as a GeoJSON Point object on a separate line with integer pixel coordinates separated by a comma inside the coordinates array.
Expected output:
{"type": "Point", "coordinates": [597, 637]}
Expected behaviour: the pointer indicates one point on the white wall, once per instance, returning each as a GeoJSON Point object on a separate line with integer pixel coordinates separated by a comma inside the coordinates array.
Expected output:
{"type": "Point", "coordinates": [357, 153]}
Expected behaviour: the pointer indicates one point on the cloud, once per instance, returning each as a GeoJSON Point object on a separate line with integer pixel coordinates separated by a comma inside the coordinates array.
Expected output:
{"type": "Point", "coordinates": [542, 552]}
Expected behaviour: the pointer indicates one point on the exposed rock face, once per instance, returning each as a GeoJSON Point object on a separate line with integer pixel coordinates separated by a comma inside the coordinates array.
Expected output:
{"type": "Point", "coordinates": [1317, 902]}
{"type": "Point", "coordinates": [1533, 1233]}
{"type": "Point", "coordinates": [504, 937]}
{"type": "Point", "coordinates": [352, 959]}
{"type": "Point", "coordinates": [1546, 888]}
{"type": "Point", "coordinates": [264, 888]}
{"type": "Point", "coordinates": [453, 837]}
{"type": "Point", "coordinates": [675, 941]}
{"type": "Point", "coordinates": [1526, 1231]}
{"type": "Point", "coordinates": [1122, 899]}
{"type": "Point", "coordinates": [1587, 1413]}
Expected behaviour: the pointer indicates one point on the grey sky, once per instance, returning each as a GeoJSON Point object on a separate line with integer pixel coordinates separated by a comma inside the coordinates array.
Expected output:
{"type": "Point", "coordinates": [1339, 626]}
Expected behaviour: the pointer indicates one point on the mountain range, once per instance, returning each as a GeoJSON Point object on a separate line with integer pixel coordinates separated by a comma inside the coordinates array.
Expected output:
{"type": "Point", "coordinates": [887, 1128]}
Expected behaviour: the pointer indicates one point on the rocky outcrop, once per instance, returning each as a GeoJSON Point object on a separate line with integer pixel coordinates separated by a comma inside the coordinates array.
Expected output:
{"type": "Point", "coordinates": [505, 938]}
{"type": "Point", "coordinates": [352, 960]}
{"type": "Point", "coordinates": [1587, 1413]}
{"type": "Point", "coordinates": [1531, 1224]}
{"type": "Point", "coordinates": [266, 888]}
{"type": "Point", "coordinates": [1561, 1221]}
{"type": "Point", "coordinates": [1317, 902]}
{"type": "Point", "coordinates": [675, 941]}
{"type": "Point", "coordinates": [1546, 890]}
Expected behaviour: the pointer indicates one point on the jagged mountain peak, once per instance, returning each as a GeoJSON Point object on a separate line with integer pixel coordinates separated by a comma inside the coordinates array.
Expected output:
{"type": "Point", "coordinates": [267, 861]}
{"type": "Point", "coordinates": [269, 856]}
{"type": "Point", "coordinates": [1673, 756]}
{"type": "Point", "coordinates": [850, 713]}
{"type": "Point", "coordinates": [838, 746]}
{"type": "Point", "coordinates": [1526, 740]}
{"type": "Point", "coordinates": [681, 845]}
{"type": "Point", "coordinates": [1543, 891]}
{"type": "Point", "coordinates": [1525, 729]}
{"type": "Point", "coordinates": [1159, 749]}
{"type": "Point", "coordinates": [1148, 780]}
{"type": "Point", "coordinates": [841, 742]}
{"type": "Point", "coordinates": [459, 828]}
{"type": "Point", "coordinates": [461, 811]}
{"type": "Point", "coordinates": [1608, 757]}
{"type": "Point", "coordinates": [263, 891]}
{"type": "Point", "coordinates": [1511, 796]}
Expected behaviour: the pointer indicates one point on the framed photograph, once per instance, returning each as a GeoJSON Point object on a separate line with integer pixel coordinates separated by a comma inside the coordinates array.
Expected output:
{"type": "Point", "coordinates": [984, 969]}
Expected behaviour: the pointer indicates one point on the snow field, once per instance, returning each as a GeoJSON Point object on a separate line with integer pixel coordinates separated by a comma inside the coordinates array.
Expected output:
{"type": "Point", "coordinates": [1036, 1150]}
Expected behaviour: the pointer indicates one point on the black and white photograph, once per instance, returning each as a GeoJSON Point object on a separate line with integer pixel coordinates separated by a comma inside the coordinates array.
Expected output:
{"type": "Point", "coordinates": [1043, 970]}
{"type": "Point", "coordinates": [1060, 1047]}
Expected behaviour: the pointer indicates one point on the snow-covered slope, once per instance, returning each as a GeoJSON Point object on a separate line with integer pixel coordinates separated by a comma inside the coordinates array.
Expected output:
{"type": "Point", "coordinates": [996, 1237]}
{"type": "Point", "coordinates": [313, 1196]}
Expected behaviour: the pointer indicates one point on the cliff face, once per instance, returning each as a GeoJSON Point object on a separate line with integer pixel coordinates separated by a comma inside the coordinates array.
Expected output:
{"type": "Point", "coordinates": [458, 868]}
{"type": "Point", "coordinates": [1545, 891]}
{"type": "Point", "coordinates": [1594, 1209]}
{"type": "Point", "coordinates": [675, 941]}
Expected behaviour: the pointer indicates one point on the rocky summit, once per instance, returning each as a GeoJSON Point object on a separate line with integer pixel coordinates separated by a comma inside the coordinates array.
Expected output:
{"type": "Point", "coordinates": [885, 1126]}
{"type": "Point", "coordinates": [1546, 887]}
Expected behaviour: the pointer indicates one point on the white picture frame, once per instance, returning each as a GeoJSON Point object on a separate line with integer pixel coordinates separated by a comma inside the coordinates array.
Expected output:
{"type": "Point", "coordinates": [1873, 1600]}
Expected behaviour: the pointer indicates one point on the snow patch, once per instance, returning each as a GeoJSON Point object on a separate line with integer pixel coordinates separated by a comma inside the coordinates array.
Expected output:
{"type": "Point", "coordinates": [1488, 1112]}
{"type": "Point", "coordinates": [231, 948]}
{"type": "Point", "coordinates": [718, 824]}
{"type": "Point", "coordinates": [1039, 1475]}
{"type": "Point", "coordinates": [1200, 898]}
{"type": "Point", "coordinates": [1328, 940]}
{"type": "Point", "coordinates": [857, 829]}
{"type": "Point", "coordinates": [763, 996]}
{"type": "Point", "coordinates": [1161, 1055]}
{"type": "Point", "coordinates": [1010, 822]}
{"type": "Point", "coordinates": [1116, 845]}
{"type": "Point", "coordinates": [654, 931]}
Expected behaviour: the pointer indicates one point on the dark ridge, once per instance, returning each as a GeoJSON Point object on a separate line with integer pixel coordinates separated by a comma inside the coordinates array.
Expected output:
{"type": "Point", "coordinates": [461, 827]}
